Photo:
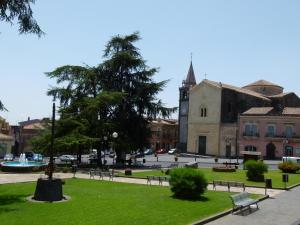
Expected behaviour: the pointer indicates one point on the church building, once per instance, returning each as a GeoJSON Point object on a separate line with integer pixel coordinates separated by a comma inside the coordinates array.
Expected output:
{"type": "Point", "coordinates": [209, 112]}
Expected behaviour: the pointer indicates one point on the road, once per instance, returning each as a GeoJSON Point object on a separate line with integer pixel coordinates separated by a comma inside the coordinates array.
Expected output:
{"type": "Point", "coordinates": [165, 160]}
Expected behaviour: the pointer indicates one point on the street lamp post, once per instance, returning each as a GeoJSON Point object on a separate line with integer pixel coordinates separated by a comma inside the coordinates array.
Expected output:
{"type": "Point", "coordinates": [115, 136]}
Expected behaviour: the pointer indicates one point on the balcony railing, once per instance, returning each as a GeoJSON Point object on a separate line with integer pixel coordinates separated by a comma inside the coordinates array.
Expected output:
{"type": "Point", "coordinates": [283, 135]}
{"type": "Point", "coordinates": [251, 134]}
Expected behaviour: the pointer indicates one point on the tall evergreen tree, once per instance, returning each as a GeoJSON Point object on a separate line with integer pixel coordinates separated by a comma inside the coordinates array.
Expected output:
{"type": "Point", "coordinates": [119, 95]}
{"type": "Point", "coordinates": [82, 99]}
{"type": "Point", "coordinates": [126, 71]}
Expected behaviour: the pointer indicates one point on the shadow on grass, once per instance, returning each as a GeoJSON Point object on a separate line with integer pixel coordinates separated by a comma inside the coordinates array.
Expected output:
{"type": "Point", "coordinates": [11, 199]}
{"type": "Point", "coordinates": [6, 200]}
{"type": "Point", "coordinates": [195, 199]}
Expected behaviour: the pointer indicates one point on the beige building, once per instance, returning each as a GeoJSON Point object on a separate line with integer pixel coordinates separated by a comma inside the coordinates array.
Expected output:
{"type": "Point", "coordinates": [213, 115]}
{"type": "Point", "coordinates": [6, 141]}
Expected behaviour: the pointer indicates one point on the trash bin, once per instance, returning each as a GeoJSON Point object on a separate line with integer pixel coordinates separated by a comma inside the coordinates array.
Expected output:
{"type": "Point", "coordinates": [268, 183]}
{"type": "Point", "coordinates": [285, 178]}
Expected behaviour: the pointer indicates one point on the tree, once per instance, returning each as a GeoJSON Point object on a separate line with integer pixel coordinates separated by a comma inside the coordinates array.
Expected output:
{"type": "Point", "coordinates": [126, 71]}
{"type": "Point", "coordinates": [118, 95]}
{"type": "Point", "coordinates": [82, 99]}
{"type": "Point", "coordinates": [21, 11]}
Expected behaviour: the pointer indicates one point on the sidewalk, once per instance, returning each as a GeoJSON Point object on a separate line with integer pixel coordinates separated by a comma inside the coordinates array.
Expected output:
{"type": "Point", "coordinates": [17, 178]}
{"type": "Point", "coordinates": [283, 209]}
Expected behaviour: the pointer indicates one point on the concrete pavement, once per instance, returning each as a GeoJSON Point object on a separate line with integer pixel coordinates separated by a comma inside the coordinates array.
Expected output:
{"type": "Point", "coordinates": [282, 209]}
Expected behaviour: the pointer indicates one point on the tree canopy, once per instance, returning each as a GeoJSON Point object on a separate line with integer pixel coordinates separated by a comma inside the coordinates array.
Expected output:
{"type": "Point", "coordinates": [20, 10]}
{"type": "Point", "coordinates": [118, 95]}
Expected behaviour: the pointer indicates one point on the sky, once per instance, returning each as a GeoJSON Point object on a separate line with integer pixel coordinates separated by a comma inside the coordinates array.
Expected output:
{"type": "Point", "coordinates": [232, 41]}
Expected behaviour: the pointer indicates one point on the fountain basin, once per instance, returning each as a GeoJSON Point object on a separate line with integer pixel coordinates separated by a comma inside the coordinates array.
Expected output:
{"type": "Point", "coordinates": [22, 167]}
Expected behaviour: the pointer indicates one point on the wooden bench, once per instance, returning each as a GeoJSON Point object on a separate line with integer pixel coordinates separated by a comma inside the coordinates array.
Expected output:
{"type": "Point", "coordinates": [228, 184]}
{"type": "Point", "coordinates": [92, 173]}
{"type": "Point", "coordinates": [155, 178]}
{"type": "Point", "coordinates": [110, 175]}
{"type": "Point", "coordinates": [101, 174]}
{"type": "Point", "coordinates": [241, 200]}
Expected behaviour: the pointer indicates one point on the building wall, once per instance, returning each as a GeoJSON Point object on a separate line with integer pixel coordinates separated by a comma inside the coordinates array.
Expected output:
{"type": "Point", "coordinates": [228, 139]}
{"type": "Point", "coordinates": [234, 103]}
{"type": "Point", "coordinates": [278, 140]}
{"type": "Point", "coordinates": [204, 96]}
{"type": "Point", "coordinates": [163, 135]}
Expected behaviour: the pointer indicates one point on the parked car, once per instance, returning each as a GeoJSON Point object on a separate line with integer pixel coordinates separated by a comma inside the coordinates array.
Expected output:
{"type": "Point", "coordinates": [29, 156]}
{"type": "Point", "coordinates": [139, 154]}
{"type": "Point", "coordinates": [161, 151]}
{"type": "Point", "coordinates": [292, 159]}
{"type": "Point", "coordinates": [172, 151]}
{"type": "Point", "coordinates": [148, 151]}
{"type": "Point", "coordinates": [8, 157]}
{"type": "Point", "coordinates": [67, 158]}
{"type": "Point", "coordinates": [37, 157]}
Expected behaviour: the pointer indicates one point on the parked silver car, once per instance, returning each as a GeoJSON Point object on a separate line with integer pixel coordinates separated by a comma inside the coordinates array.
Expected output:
{"type": "Point", "coordinates": [67, 158]}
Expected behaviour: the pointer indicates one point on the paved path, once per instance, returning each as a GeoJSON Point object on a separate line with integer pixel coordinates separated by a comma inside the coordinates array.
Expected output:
{"type": "Point", "coordinates": [6, 178]}
{"type": "Point", "coordinates": [283, 209]}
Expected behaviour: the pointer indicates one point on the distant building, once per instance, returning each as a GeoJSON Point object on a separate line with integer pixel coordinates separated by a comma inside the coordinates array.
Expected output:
{"type": "Point", "coordinates": [6, 141]}
{"type": "Point", "coordinates": [164, 134]}
{"type": "Point", "coordinates": [273, 132]}
{"type": "Point", "coordinates": [23, 133]}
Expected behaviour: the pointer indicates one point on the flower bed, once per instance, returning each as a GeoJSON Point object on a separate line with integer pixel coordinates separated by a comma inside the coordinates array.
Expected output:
{"type": "Point", "coordinates": [223, 169]}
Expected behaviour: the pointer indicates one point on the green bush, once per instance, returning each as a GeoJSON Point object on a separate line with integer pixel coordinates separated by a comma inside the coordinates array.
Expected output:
{"type": "Point", "coordinates": [256, 170]}
{"type": "Point", "coordinates": [289, 167]}
{"type": "Point", "coordinates": [187, 183]}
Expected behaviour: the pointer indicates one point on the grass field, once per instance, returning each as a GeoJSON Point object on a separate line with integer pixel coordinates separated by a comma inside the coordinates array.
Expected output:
{"type": "Point", "coordinates": [239, 175]}
{"type": "Point", "coordinates": [100, 202]}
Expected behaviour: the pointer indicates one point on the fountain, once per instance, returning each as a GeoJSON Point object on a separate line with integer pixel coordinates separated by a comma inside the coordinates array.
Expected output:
{"type": "Point", "coordinates": [22, 160]}
{"type": "Point", "coordinates": [22, 165]}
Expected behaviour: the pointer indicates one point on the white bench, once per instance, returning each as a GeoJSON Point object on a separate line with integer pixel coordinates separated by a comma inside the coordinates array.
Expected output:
{"type": "Point", "coordinates": [241, 200]}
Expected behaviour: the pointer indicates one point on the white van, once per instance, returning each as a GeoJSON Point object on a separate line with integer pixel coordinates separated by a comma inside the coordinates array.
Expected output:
{"type": "Point", "coordinates": [292, 159]}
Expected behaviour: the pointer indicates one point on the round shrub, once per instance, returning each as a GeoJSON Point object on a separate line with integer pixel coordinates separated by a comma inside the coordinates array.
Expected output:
{"type": "Point", "coordinates": [289, 167]}
{"type": "Point", "coordinates": [256, 170]}
{"type": "Point", "coordinates": [187, 183]}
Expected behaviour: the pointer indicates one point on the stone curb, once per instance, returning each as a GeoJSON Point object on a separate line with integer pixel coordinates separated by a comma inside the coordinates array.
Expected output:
{"type": "Point", "coordinates": [249, 186]}
{"type": "Point", "coordinates": [222, 214]}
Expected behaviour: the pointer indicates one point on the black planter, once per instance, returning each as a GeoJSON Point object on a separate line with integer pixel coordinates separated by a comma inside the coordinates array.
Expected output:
{"type": "Point", "coordinates": [48, 190]}
{"type": "Point", "coordinates": [128, 172]}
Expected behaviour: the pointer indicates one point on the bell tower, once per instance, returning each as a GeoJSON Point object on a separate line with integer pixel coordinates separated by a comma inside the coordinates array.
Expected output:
{"type": "Point", "coordinates": [184, 90]}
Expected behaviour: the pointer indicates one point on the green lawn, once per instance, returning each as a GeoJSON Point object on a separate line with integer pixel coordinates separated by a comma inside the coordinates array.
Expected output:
{"type": "Point", "coordinates": [239, 175]}
{"type": "Point", "coordinates": [97, 202]}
